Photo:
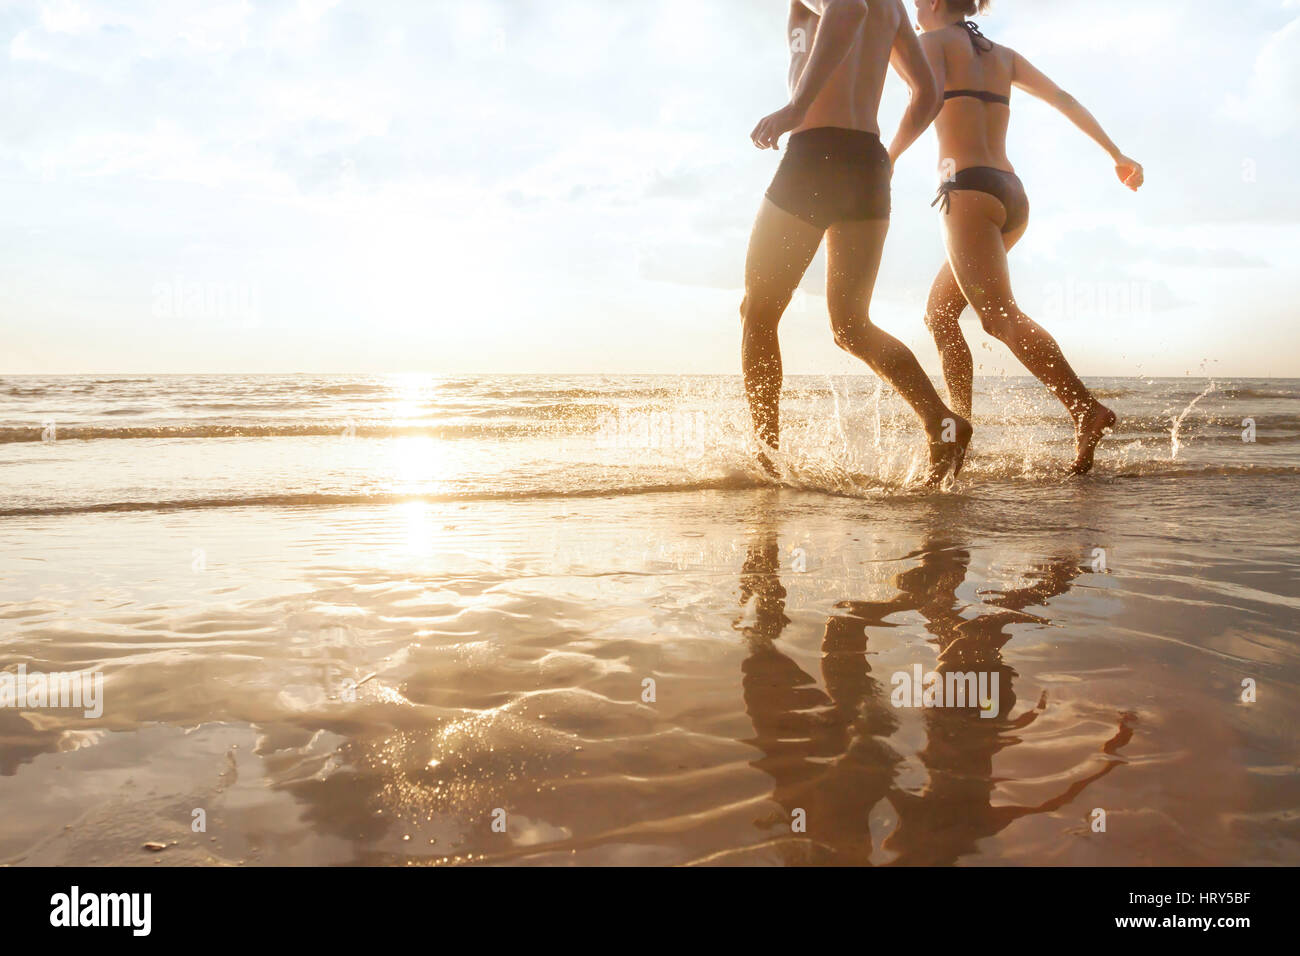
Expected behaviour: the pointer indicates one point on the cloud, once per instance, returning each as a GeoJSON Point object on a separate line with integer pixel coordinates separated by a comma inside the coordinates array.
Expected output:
{"type": "Point", "coordinates": [1273, 89]}
{"type": "Point", "coordinates": [1126, 251]}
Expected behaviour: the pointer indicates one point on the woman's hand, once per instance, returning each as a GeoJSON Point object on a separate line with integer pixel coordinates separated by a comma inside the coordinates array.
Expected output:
{"type": "Point", "coordinates": [1129, 171]}
{"type": "Point", "coordinates": [771, 128]}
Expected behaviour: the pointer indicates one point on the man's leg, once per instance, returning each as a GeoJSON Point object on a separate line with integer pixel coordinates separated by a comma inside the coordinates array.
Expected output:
{"type": "Point", "coordinates": [780, 250]}
{"type": "Point", "coordinates": [854, 250]}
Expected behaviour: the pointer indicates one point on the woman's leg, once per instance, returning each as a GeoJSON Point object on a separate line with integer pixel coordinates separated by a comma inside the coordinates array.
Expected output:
{"type": "Point", "coordinates": [854, 250]}
{"type": "Point", "coordinates": [978, 256]}
{"type": "Point", "coordinates": [942, 310]}
{"type": "Point", "coordinates": [780, 250]}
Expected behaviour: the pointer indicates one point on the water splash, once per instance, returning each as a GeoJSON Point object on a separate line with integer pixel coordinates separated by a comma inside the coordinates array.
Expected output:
{"type": "Point", "coordinates": [838, 418]}
{"type": "Point", "coordinates": [1174, 444]}
{"type": "Point", "coordinates": [880, 390]}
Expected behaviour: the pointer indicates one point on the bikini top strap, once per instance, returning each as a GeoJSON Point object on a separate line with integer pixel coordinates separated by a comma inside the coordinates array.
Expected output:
{"type": "Point", "coordinates": [977, 38]}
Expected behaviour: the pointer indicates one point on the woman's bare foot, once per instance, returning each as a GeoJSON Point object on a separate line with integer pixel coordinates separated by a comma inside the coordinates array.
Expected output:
{"type": "Point", "coordinates": [948, 449]}
{"type": "Point", "coordinates": [1088, 431]}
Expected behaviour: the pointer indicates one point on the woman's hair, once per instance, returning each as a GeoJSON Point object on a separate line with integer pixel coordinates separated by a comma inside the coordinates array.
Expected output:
{"type": "Point", "coordinates": [968, 8]}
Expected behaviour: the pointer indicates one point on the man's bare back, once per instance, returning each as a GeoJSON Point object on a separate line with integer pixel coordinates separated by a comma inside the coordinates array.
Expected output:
{"type": "Point", "coordinates": [850, 98]}
{"type": "Point", "coordinates": [840, 52]}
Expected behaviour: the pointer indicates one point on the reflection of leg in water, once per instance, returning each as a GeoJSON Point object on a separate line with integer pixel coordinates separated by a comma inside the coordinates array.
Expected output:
{"type": "Point", "coordinates": [955, 811]}
{"type": "Point", "coordinates": [860, 721]}
{"type": "Point", "coordinates": [930, 587]}
{"type": "Point", "coordinates": [761, 583]}
{"type": "Point", "coordinates": [946, 821]}
{"type": "Point", "coordinates": [824, 751]}
{"type": "Point", "coordinates": [1050, 580]}
{"type": "Point", "coordinates": [779, 695]}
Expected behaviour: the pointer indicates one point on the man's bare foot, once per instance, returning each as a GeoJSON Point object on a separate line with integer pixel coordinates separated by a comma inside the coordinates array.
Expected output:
{"type": "Point", "coordinates": [766, 464]}
{"type": "Point", "coordinates": [1088, 431]}
{"type": "Point", "coordinates": [948, 449]}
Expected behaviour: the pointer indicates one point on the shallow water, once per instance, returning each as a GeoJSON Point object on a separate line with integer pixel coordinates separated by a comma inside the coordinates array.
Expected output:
{"type": "Point", "coordinates": [369, 644]}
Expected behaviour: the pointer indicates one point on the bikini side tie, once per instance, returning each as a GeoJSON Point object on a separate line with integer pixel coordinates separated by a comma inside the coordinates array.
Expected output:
{"type": "Point", "coordinates": [944, 196]}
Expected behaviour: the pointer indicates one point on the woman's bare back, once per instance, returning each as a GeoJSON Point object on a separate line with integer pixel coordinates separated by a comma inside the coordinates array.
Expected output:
{"type": "Point", "coordinates": [972, 131]}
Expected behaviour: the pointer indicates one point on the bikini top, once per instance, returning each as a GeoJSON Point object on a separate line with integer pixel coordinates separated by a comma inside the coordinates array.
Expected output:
{"type": "Point", "coordinates": [982, 45]}
{"type": "Point", "coordinates": [984, 95]}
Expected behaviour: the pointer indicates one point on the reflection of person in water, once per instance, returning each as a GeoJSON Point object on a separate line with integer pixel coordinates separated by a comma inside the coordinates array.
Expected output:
{"type": "Point", "coordinates": [828, 753]}
{"type": "Point", "coordinates": [954, 811]}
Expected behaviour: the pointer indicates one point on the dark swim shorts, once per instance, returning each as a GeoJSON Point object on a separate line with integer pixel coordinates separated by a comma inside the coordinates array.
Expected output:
{"type": "Point", "coordinates": [831, 175]}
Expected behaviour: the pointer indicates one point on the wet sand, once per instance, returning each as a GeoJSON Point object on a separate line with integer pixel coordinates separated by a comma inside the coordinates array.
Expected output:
{"type": "Point", "coordinates": [381, 684]}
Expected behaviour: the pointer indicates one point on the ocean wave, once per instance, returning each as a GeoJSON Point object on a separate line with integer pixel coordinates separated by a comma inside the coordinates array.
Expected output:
{"type": "Point", "coordinates": [578, 420]}
{"type": "Point", "coordinates": [73, 386]}
{"type": "Point", "coordinates": [29, 433]}
{"type": "Point", "coordinates": [729, 483]}
{"type": "Point", "coordinates": [277, 404]}
{"type": "Point", "coordinates": [843, 486]}
{"type": "Point", "coordinates": [553, 394]}
{"type": "Point", "coordinates": [351, 388]}
{"type": "Point", "coordinates": [1230, 391]}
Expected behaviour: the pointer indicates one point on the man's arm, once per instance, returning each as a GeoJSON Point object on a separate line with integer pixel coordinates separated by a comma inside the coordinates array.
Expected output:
{"type": "Point", "coordinates": [800, 33]}
{"type": "Point", "coordinates": [925, 76]}
{"type": "Point", "coordinates": [1033, 81]}
{"type": "Point", "coordinates": [836, 31]}
{"type": "Point", "coordinates": [840, 22]}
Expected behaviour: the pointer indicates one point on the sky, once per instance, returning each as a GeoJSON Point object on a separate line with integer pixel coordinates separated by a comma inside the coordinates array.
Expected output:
{"type": "Point", "coordinates": [557, 186]}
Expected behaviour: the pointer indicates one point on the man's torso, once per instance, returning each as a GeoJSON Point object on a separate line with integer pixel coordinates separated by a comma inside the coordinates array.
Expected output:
{"type": "Point", "coordinates": [851, 97]}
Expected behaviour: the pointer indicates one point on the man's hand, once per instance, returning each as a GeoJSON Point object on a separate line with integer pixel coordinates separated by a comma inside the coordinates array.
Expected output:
{"type": "Point", "coordinates": [1129, 172]}
{"type": "Point", "coordinates": [772, 128]}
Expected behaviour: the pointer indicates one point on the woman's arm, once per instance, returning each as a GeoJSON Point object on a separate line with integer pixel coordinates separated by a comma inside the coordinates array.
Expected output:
{"type": "Point", "coordinates": [1032, 80]}
{"type": "Point", "coordinates": [921, 65]}
{"type": "Point", "coordinates": [838, 28]}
